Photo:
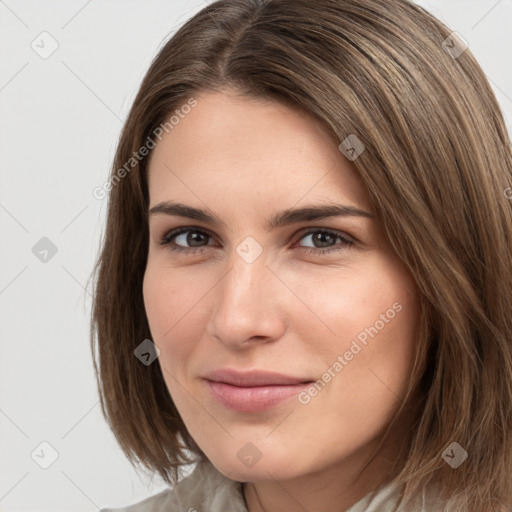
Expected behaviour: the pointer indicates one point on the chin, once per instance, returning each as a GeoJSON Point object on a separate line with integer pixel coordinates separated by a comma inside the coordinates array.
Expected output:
{"type": "Point", "coordinates": [276, 467]}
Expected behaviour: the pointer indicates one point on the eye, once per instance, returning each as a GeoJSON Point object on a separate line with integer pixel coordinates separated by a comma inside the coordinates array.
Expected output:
{"type": "Point", "coordinates": [197, 240]}
{"type": "Point", "coordinates": [325, 237]}
{"type": "Point", "coordinates": [187, 235]}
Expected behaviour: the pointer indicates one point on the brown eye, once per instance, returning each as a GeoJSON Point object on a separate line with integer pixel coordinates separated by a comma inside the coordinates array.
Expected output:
{"type": "Point", "coordinates": [194, 238]}
{"type": "Point", "coordinates": [325, 241]}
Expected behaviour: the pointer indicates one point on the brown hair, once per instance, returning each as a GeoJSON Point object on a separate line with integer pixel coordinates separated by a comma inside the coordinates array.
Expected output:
{"type": "Point", "coordinates": [436, 163]}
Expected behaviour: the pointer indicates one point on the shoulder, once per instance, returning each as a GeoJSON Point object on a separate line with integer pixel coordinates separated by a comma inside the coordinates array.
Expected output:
{"type": "Point", "coordinates": [204, 489]}
{"type": "Point", "coordinates": [154, 503]}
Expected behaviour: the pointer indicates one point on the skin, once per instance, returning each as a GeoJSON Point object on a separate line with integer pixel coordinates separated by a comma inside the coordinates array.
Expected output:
{"type": "Point", "coordinates": [288, 311]}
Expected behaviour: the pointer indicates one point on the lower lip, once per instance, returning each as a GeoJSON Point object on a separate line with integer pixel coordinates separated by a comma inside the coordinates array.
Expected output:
{"type": "Point", "coordinates": [253, 399]}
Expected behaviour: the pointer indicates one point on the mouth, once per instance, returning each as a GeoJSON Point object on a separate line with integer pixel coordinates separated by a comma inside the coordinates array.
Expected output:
{"type": "Point", "coordinates": [253, 391]}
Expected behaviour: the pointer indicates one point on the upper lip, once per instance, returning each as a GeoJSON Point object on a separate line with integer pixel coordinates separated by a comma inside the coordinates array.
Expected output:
{"type": "Point", "coordinates": [253, 378]}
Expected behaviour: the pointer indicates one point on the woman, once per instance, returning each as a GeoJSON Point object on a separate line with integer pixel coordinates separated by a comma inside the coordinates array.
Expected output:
{"type": "Point", "coordinates": [373, 372]}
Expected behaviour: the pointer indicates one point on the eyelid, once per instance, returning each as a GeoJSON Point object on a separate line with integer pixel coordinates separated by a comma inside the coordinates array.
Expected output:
{"type": "Point", "coordinates": [184, 229]}
{"type": "Point", "coordinates": [336, 232]}
{"type": "Point", "coordinates": [347, 239]}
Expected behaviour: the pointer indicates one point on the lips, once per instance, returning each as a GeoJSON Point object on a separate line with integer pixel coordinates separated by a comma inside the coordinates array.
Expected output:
{"type": "Point", "coordinates": [253, 378]}
{"type": "Point", "coordinates": [253, 391]}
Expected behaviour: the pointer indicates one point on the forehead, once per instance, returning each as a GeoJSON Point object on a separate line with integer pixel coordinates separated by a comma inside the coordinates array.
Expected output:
{"type": "Point", "coordinates": [241, 148]}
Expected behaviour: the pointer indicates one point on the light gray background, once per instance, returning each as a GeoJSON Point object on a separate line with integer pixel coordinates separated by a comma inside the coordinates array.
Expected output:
{"type": "Point", "coordinates": [60, 121]}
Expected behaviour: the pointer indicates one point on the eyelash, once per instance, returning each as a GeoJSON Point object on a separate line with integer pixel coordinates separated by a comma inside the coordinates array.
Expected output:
{"type": "Point", "coordinates": [166, 241]}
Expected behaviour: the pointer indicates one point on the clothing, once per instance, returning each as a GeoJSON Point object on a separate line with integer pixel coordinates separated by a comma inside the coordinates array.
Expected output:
{"type": "Point", "coordinates": [207, 490]}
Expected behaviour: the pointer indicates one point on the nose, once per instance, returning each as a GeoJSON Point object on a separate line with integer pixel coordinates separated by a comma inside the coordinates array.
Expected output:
{"type": "Point", "coordinates": [248, 304]}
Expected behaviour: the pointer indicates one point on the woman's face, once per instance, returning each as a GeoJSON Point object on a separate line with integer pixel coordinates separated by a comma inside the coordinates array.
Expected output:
{"type": "Point", "coordinates": [323, 301]}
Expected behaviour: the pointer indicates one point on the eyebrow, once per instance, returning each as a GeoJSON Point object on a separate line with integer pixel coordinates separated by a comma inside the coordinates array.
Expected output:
{"type": "Point", "coordinates": [282, 218]}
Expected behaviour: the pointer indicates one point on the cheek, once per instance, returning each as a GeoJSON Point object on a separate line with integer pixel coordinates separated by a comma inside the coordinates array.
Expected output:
{"type": "Point", "coordinates": [370, 319]}
{"type": "Point", "coordinates": [344, 306]}
{"type": "Point", "coordinates": [157, 301]}
{"type": "Point", "coordinates": [168, 310]}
